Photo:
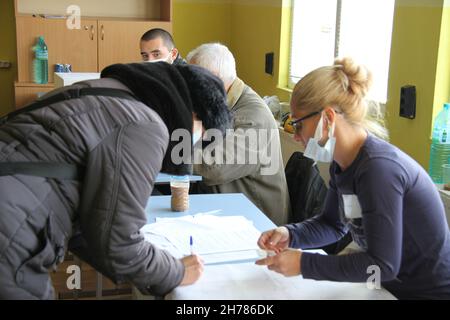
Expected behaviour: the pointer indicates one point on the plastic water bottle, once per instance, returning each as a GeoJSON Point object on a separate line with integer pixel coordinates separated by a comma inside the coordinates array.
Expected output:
{"type": "Point", "coordinates": [440, 145]}
{"type": "Point", "coordinates": [40, 62]}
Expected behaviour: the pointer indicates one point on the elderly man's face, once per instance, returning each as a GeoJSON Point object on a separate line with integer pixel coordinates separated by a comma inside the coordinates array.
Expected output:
{"type": "Point", "coordinates": [156, 50]}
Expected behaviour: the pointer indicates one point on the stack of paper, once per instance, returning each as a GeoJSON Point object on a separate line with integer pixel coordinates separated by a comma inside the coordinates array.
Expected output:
{"type": "Point", "coordinates": [216, 239]}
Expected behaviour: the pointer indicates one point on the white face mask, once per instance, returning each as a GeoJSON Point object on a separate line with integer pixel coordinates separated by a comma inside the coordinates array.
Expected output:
{"type": "Point", "coordinates": [315, 151]}
{"type": "Point", "coordinates": [168, 60]}
{"type": "Point", "coordinates": [196, 136]}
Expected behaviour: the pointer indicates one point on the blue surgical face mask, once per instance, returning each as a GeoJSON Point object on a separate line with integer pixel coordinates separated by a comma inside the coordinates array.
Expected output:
{"type": "Point", "coordinates": [317, 152]}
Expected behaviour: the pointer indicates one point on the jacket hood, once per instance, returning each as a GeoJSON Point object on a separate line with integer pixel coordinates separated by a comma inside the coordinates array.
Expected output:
{"type": "Point", "coordinates": [175, 92]}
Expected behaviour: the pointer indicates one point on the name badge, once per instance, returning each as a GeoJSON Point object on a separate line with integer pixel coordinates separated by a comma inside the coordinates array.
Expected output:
{"type": "Point", "coordinates": [352, 208]}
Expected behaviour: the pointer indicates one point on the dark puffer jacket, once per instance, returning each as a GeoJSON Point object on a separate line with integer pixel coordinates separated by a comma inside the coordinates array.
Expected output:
{"type": "Point", "coordinates": [121, 143]}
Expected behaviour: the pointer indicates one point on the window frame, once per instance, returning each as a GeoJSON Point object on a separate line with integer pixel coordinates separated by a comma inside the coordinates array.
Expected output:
{"type": "Point", "coordinates": [291, 81]}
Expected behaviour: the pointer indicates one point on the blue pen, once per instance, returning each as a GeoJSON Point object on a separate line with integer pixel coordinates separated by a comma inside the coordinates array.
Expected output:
{"type": "Point", "coordinates": [191, 243]}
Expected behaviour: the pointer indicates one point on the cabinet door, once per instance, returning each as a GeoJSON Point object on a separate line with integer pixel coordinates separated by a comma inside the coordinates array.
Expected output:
{"type": "Point", "coordinates": [26, 93]}
{"type": "Point", "coordinates": [118, 41]}
{"type": "Point", "coordinates": [75, 47]}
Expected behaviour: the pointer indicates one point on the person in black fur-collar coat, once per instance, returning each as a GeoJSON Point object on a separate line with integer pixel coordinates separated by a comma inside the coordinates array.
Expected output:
{"type": "Point", "coordinates": [77, 168]}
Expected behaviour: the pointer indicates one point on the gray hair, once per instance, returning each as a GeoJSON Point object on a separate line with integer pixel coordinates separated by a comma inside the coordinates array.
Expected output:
{"type": "Point", "coordinates": [217, 58]}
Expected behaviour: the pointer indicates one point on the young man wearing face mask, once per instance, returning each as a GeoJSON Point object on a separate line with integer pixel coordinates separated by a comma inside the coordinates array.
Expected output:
{"type": "Point", "coordinates": [158, 45]}
{"type": "Point", "coordinates": [378, 193]}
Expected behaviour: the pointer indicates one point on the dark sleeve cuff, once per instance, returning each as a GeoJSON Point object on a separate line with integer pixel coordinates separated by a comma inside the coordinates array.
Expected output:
{"type": "Point", "coordinates": [306, 265]}
{"type": "Point", "coordinates": [293, 241]}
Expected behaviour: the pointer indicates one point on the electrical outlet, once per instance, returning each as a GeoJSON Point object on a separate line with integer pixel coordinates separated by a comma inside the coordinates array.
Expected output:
{"type": "Point", "coordinates": [5, 64]}
{"type": "Point", "coordinates": [408, 102]}
{"type": "Point", "coordinates": [269, 63]}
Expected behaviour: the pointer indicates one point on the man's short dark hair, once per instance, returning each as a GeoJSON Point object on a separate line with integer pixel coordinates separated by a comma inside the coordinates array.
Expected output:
{"type": "Point", "coordinates": [159, 33]}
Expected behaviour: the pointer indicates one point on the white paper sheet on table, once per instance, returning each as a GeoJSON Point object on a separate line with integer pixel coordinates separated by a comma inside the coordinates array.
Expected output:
{"type": "Point", "coordinates": [247, 281]}
{"type": "Point", "coordinates": [216, 238]}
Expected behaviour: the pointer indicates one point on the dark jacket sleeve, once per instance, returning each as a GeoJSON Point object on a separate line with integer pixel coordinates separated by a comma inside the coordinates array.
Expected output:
{"type": "Point", "coordinates": [119, 179]}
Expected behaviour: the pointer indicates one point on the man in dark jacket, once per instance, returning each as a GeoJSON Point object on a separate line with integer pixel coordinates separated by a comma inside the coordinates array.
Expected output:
{"type": "Point", "coordinates": [77, 169]}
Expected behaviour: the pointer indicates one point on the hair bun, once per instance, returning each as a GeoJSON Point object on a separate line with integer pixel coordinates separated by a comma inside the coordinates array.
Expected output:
{"type": "Point", "coordinates": [359, 78]}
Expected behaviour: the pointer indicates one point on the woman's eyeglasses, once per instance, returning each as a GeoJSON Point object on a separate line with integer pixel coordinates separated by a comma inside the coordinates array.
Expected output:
{"type": "Point", "coordinates": [297, 124]}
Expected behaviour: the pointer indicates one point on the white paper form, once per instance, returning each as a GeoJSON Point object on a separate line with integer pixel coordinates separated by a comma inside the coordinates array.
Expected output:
{"type": "Point", "coordinates": [216, 239]}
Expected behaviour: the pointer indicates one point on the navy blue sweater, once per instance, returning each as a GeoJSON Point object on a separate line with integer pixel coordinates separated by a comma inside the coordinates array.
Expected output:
{"type": "Point", "coordinates": [398, 220]}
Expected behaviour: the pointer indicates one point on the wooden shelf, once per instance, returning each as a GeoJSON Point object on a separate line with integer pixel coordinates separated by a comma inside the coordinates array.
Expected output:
{"type": "Point", "coordinates": [102, 18]}
{"type": "Point", "coordinates": [34, 85]}
{"type": "Point", "coordinates": [27, 92]}
{"type": "Point", "coordinates": [140, 9]}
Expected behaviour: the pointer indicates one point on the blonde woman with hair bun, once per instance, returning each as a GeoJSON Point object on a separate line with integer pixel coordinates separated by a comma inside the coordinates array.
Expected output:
{"type": "Point", "coordinates": [379, 194]}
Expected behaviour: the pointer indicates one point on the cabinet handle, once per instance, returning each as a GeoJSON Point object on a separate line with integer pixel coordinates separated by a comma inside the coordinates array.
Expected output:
{"type": "Point", "coordinates": [92, 32]}
{"type": "Point", "coordinates": [103, 32]}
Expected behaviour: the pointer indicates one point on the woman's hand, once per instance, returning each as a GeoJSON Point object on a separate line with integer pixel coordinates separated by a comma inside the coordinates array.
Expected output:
{"type": "Point", "coordinates": [275, 239]}
{"type": "Point", "coordinates": [193, 269]}
{"type": "Point", "coordinates": [288, 263]}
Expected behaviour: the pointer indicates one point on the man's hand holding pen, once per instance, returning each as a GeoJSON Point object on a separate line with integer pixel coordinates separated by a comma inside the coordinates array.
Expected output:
{"type": "Point", "coordinates": [193, 266]}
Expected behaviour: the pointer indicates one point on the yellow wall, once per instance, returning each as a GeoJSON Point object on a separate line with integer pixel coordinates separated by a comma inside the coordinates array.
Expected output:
{"type": "Point", "coordinates": [414, 61]}
{"type": "Point", "coordinates": [7, 53]}
{"type": "Point", "coordinates": [256, 30]}
{"type": "Point", "coordinates": [200, 21]}
{"type": "Point", "coordinates": [250, 28]}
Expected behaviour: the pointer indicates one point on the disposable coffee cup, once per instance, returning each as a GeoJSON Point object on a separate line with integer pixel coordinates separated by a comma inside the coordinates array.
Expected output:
{"type": "Point", "coordinates": [179, 187]}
